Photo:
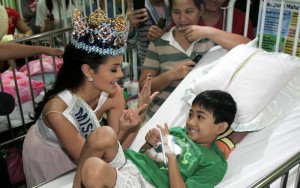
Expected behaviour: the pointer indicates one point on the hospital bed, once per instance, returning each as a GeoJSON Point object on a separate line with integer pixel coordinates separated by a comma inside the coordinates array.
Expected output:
{"type": "Point", "coordinates": [268, 156]}
{"type": "Point", "coordinates": [38, 73]}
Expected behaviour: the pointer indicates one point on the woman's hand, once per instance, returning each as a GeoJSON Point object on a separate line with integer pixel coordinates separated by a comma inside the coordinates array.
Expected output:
{"type": "Point", "coordinates": [182, 69]}
{"type": "Point", "coordinates": [195, 32]}
{"type": "Point", "coordinates": [145, 96]}
{"type": "Point", "coordinates": [131, 118]}
{"type": "Point", "coordinates": [135, 16]}
{"type": "Point", "coordinates": [48, 25]}
{"type": "Point", "coordinates": [154, 32]}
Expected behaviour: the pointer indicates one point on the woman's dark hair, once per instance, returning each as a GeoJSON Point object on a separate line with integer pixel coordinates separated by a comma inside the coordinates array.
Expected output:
{"type": "Point", "coordinates": [196, 2]}
{"type": "Point", "coordinates": [219, 103]}
{"type": "Point", "coordinates": [70, 75]}
{"type": "Point", "coordinates": [49, 4]}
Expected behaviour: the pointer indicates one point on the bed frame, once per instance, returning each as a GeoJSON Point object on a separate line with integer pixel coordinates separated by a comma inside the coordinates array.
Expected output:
{"type": "Point", "coordinates": [281, 174]}
{"type": "Point", "coordinates": [44, 39]}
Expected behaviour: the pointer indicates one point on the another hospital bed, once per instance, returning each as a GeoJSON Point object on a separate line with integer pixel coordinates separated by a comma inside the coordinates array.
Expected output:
{"type": "Point", "coordinates": [264, 155]}
{"type": "Point", "coordinates": [28, 84]}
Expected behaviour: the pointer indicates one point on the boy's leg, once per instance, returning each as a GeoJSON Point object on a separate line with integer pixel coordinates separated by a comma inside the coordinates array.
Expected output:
{"type": "Point", "coordinates": [102, 144]}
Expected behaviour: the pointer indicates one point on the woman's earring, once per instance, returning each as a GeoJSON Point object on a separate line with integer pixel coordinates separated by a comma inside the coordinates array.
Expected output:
{"type": "Point", "coordinates": [91, 79]}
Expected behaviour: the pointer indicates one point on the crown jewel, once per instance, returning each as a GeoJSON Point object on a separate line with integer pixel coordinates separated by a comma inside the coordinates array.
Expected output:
{"type": "Point", "coordinates": [98, 34]}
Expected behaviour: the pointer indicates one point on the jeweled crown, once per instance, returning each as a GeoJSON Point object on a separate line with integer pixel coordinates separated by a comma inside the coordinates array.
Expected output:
{"type": "Point", "coordinates": [98, 34]}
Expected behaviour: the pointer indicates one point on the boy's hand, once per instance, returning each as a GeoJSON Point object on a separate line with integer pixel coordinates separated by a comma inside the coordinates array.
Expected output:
{"type": "Point", "coordinates": [153, 137]}
{"type": "Point", "coordinates": [164, 130]}
{"type": "Point", "coordinates": [167, 141]}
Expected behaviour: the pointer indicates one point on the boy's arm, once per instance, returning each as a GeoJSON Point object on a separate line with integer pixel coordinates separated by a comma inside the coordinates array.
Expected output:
{"type": "Point", "coordinates": [175, 178]}
{"type": "Point", "coordinates": [146, 146]}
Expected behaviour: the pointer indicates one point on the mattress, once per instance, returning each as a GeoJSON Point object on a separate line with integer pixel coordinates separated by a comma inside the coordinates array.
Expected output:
{"type": "Point", "coordinates": [16, 118]}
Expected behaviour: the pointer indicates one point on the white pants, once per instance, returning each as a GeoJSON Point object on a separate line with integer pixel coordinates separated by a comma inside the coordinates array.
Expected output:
{"type": "Point", "coordinates": [128, 174]}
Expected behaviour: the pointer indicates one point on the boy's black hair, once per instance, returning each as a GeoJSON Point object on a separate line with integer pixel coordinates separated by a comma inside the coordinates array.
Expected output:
{"type": "Point", "coordinates": [219, 103]}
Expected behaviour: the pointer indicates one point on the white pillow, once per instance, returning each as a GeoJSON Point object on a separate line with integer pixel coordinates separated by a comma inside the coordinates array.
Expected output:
{"type": "Point", "coordinates": [255, 79]}
{"type": "Point", "coordinates": [222, 72]}
{"type": "Point", "coordinates": [212, 55]}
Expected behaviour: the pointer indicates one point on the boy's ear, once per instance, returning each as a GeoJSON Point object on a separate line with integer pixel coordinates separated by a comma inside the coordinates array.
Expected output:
{"type": "Point", "coordinates": [222, 127]}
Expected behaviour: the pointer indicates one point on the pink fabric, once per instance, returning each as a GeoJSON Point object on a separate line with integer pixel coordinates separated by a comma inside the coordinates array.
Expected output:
{"type": "Point", "coordinates": [35, 65]}
{"type": "Point", "coordinates": [41, 161]}
{"type": "Point", "coordinates": [23, 85]}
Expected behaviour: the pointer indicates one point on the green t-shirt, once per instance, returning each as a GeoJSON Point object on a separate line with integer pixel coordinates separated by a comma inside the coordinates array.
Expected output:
{"type": "Point", "coordinates": [198, 165]}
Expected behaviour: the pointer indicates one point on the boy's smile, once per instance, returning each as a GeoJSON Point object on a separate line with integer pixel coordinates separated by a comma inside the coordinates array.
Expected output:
{"type": "Point", "coordinates": [200, 126]}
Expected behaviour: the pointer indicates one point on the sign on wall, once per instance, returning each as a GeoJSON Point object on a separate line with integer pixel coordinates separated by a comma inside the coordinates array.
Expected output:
{"type": "Point", "coordinates": [289, 24]}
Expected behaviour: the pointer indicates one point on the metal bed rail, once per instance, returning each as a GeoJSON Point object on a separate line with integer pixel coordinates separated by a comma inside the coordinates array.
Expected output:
{"type": "Point", "coordinates": [282, 173]}
{"type": "Point", "coordinates": [59, 39]}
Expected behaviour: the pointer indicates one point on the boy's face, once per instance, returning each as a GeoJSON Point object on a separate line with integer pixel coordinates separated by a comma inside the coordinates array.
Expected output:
{"type": "Point", "coordinates": [201, 127]}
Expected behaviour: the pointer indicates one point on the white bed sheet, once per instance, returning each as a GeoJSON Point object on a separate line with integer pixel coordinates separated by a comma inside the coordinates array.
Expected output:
{"type": "Point", "coordinates": [261, 152]}
{"type": "Point", "coordinates": [258, 154]}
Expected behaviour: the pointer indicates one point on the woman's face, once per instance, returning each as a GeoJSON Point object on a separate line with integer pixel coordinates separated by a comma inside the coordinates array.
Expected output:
{"type": "Point", "coordinates": [213, 5]}
{"type": "Point", "coordinates": [184, 13]}
{"type": "Point", "coordinates": [108, 74]}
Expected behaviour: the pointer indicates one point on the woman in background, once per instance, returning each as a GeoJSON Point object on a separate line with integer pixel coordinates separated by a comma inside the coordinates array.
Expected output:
{"type": "Point", "coordinates": [16, 22]}
{"type": "Point", "coordinates": [213, 17]}
{"type": "Point", "coordinates": [50, 14]}
{"type": "Point", "coordinates": [28, 8]}
{"type": "Point", "coordinates": [168, 59]}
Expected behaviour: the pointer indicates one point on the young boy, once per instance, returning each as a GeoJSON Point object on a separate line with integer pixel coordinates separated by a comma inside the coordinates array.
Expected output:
{"type": "Point", "coordinates": [197, 161]}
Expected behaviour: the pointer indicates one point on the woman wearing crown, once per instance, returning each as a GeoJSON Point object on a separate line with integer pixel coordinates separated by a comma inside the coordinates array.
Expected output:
{"type": "Point", "coordinates": [86, 88]}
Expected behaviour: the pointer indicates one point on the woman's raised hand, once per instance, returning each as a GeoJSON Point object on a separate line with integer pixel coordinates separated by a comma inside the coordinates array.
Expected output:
{"type": "Point", "coordinates": [131, 117]}
{"type": "Point", "coordinates": [146, 95]}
